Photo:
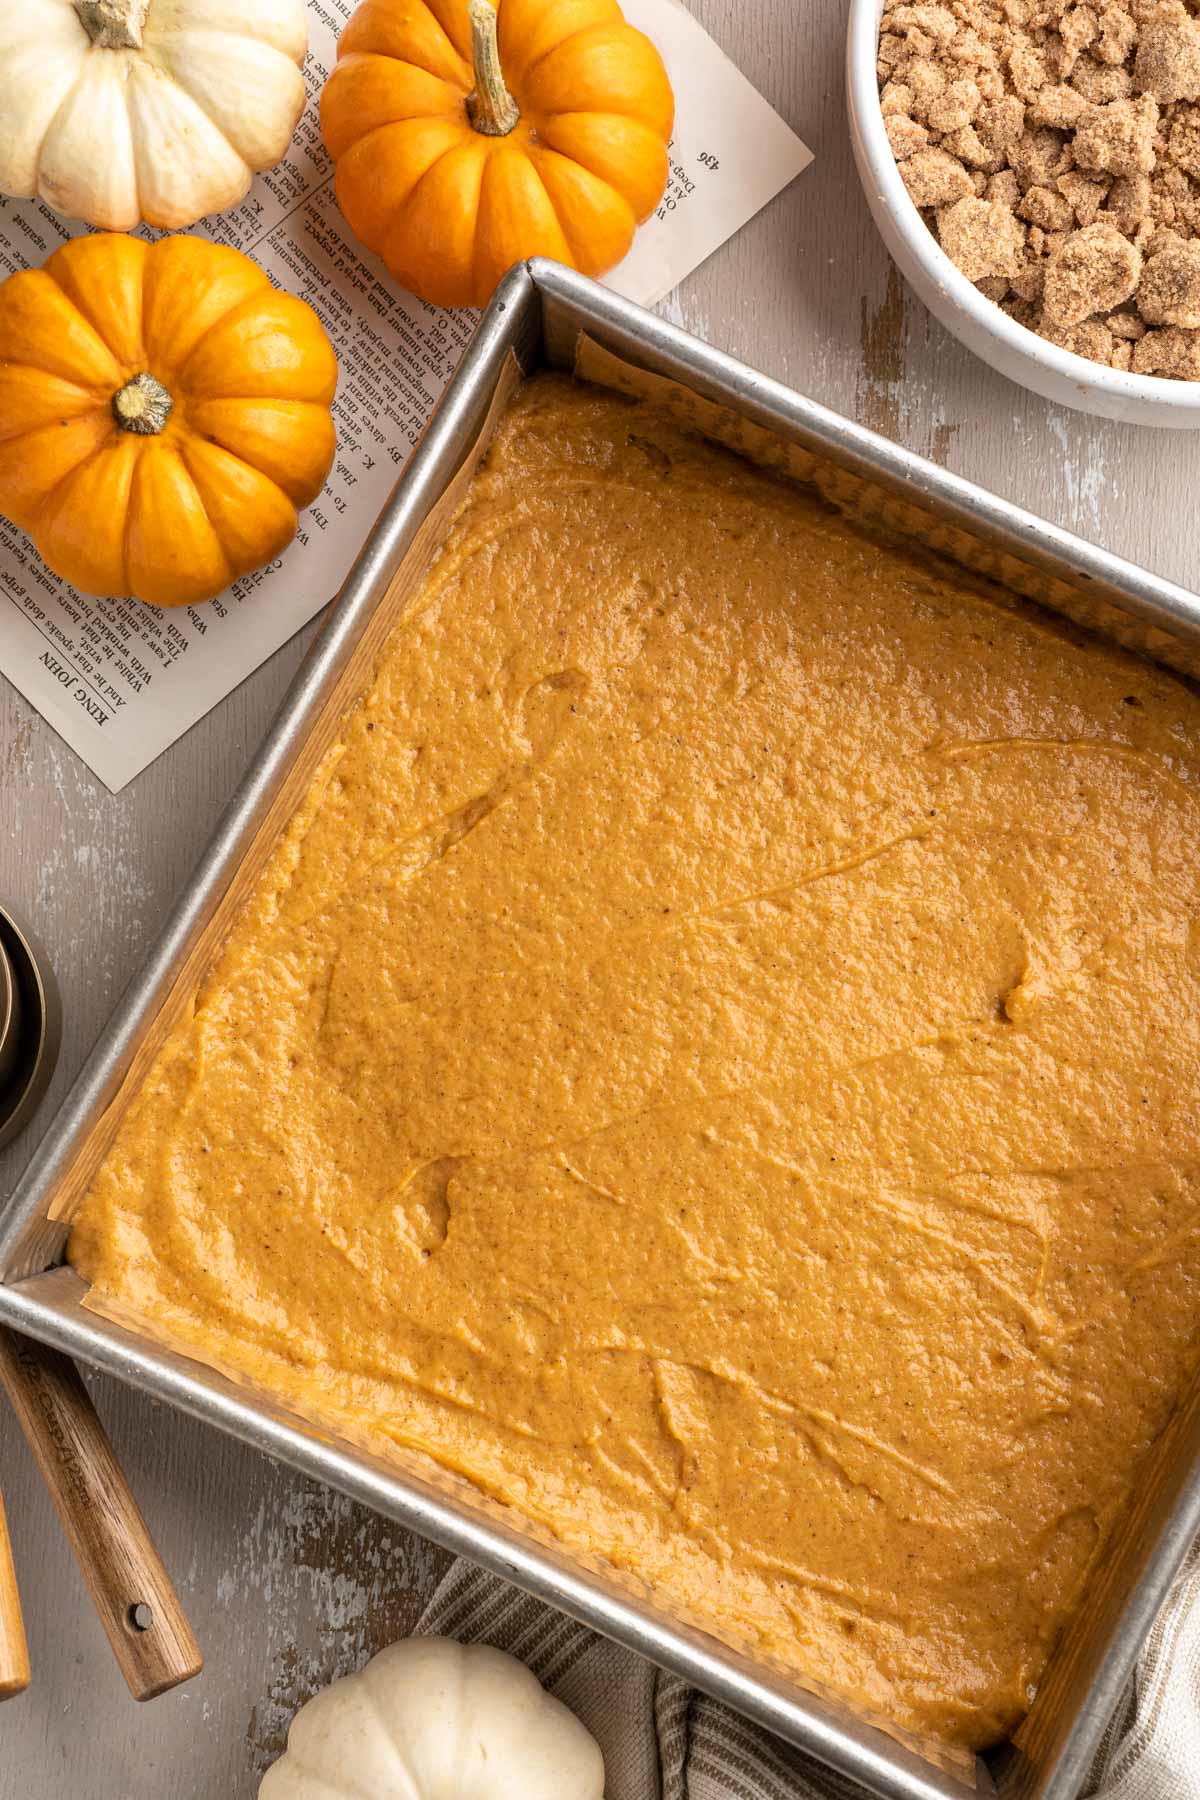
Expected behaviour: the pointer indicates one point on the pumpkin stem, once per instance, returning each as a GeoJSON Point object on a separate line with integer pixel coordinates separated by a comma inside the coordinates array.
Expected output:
{"type": "Point", "coordinates": [113, 24]}
{"type": "Point", "coordinates": [142, 406]}
{"type": "Point", "coordinates": [491, 108]}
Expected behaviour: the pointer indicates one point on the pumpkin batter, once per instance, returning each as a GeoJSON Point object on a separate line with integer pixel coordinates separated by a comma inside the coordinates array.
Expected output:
{"type": "Point", "coordinates": [714, 1060]}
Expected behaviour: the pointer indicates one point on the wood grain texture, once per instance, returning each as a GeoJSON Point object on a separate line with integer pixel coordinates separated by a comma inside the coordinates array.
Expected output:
{"type": "Point", "coordinates": [285, 1583]}
{"type": "Point", "coordinates": [138, 1607]}
{"type": "Point", "coordinates": [14, 1651]}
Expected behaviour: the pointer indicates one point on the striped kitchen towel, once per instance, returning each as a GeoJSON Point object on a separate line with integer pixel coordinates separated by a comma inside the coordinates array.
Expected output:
{"type": "Point", "coordinates": [664, 1741]}
{"type": "Point", "coordinates": [1151, 1750]}
{"type": "Point", "coordinates": [661, 1739]}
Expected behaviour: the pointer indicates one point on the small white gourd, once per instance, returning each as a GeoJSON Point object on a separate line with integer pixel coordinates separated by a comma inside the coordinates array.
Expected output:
{"type": "Point", "coordinates": [115, 111]}
{"type": "Point", "coordinates": [428, 1719]}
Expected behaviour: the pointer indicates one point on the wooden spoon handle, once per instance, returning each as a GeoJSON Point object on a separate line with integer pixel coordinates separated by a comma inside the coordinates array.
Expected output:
{"type": "Point", "coordinates": [132, 1591]}
{"type": "Point", "coordinates": [14, 1653]}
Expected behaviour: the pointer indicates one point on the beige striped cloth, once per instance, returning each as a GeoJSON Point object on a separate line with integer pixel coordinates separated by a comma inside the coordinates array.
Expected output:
{"type": "Point", "coordinates": [1151, 1750]}
{"type": "Point", "coordinates": [664, 1741]}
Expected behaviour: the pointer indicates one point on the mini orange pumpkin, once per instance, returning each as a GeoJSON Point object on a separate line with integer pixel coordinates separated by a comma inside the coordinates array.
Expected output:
{"type": "Point", "coordinates": [452, 178]}
{"type": "Point", "coordinates": [163, 413]}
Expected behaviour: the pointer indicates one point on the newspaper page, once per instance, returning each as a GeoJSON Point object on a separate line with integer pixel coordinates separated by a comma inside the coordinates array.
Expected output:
{"type": "Point", "coordinates": [120, 680]}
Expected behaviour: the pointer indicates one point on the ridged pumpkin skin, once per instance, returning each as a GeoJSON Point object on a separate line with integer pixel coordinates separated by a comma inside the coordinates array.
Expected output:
{"type": "Point", "coordinates": [118, 498]}
{"type": "Point", "coordinates": [450, 208]}
{"type": "Point", "coordinates": [114, 111]}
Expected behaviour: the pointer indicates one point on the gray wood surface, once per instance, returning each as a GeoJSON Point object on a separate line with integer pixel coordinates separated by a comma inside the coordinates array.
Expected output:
{"type": "Point", "coordinates": [286, 1583]}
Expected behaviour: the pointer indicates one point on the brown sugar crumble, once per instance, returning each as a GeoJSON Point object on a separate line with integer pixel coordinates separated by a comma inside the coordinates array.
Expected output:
{"type": "Point", "coordinates": [1054, 150]}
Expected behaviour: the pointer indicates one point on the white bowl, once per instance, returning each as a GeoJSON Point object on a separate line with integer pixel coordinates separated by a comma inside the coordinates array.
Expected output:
{"type": "Point", "coordinates": [976, 321]}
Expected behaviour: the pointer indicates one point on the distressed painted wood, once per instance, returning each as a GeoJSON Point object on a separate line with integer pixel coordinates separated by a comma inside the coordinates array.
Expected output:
{"type": "Point", "coordinates": [285, 1583]}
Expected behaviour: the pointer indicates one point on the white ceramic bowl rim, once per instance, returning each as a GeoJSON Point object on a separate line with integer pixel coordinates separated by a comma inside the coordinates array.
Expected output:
{"type": "Point", "coordinates": [1156, 390]}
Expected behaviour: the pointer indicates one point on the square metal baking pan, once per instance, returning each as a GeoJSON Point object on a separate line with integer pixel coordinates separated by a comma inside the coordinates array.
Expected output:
{"type": "Point", "coordinates": [543, 314]}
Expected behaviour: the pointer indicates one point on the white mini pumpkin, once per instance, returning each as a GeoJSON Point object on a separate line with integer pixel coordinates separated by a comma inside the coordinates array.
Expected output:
{"type": "Point", "coordinates": [115, 111]}
{"type": "Point", "coordinates": [428, 1719]}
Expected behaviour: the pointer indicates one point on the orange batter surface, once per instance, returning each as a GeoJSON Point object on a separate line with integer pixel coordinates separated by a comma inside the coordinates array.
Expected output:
{"type": "Point", "coordinates": [714, 1060]}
